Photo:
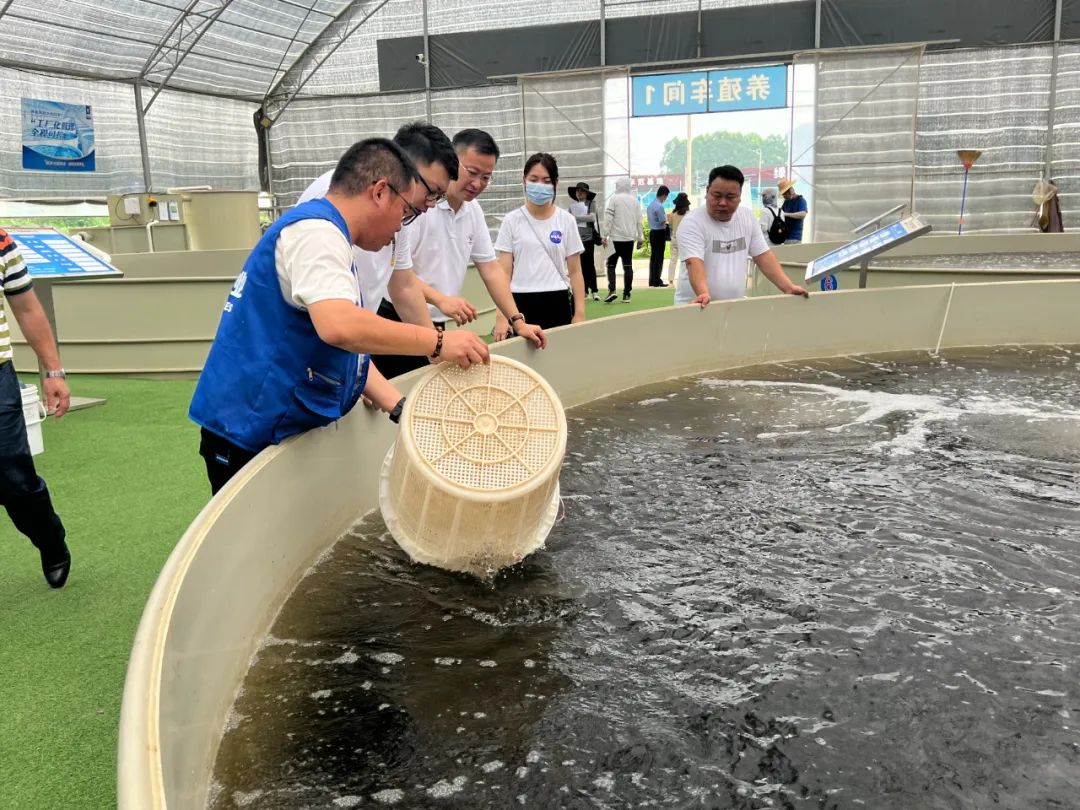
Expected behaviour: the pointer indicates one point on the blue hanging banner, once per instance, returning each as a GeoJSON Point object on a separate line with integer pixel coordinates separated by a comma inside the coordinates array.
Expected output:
{"type": "Point", "coordinates": [757, 88]}
{"type": "Point", "coordinates": [57, 137]}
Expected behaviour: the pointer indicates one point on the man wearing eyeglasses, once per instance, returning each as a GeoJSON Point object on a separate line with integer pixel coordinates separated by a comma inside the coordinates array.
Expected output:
{"type": "Point", "coordinates": [441, 246]}
{"type": "Point", "coordinates": [291, 350]}
{"type": "Point", "coordinates": [717, 239]}
{"type": "Point", "coordinates": [436, 165]}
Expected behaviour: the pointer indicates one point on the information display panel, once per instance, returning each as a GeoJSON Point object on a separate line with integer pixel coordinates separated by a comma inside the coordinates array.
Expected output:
{"type": "Point", "coordinates": [50, 254]}
{"type": "Point", "coordinates": [866, 247]}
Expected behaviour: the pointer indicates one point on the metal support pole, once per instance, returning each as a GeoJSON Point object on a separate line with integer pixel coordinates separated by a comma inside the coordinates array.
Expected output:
{"type": "Point", "coordinates": [427, 65]}
{"type": "Point", "coordinates": [603, 35]}
{"type": "Point", "coordinates": [864, 269]}
{"type": "Point", "coordinates": [699, 34]}
{"type": "Point", "coordinates": [1051, 111]}
{"type": "Point", "coordinates": [817, 23]}
{"type": "Point", "coordinates": [140, 117]}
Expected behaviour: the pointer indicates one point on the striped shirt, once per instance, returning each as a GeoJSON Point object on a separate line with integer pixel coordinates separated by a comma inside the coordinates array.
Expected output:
{"type": "Point", "coordinates": [14, 279]}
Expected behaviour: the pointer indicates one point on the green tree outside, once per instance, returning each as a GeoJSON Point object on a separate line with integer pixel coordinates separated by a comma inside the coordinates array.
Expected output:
{"type": "Point", "coordinates": [719, 148]}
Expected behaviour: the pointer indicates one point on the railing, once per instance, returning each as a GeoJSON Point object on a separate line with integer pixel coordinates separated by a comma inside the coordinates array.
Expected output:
{"type": "Point", "coordinates": [875, 221]}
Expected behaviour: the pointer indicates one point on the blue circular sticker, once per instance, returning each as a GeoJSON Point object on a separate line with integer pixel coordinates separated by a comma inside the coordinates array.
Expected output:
{"type": "Point", "coordinates": [556, 237]}
{"type": "Point", "coordinates": [829, 283]}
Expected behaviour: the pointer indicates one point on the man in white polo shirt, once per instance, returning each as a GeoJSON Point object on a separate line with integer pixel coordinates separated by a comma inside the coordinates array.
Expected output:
{"type": "Point", "coordinates": [716, 240]}
{"type": "Point", "coordinates": [436, 161]}
{"type": "Point", "coordinates": [441, 245]}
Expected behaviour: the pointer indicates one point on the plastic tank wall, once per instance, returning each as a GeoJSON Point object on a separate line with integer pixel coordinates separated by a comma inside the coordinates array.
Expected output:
{"type": "Point", "coordinates": [208, 613]}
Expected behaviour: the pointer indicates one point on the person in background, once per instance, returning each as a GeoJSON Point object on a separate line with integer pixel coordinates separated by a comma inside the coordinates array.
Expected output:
{"type": "Point", "coordinates": [622, 216]}
{"type": "Point", "coordinates": [584, 210]}
{"type": "Point", "coordinates": [540, 251]}
{"type": "Point", "coordinates": [441, 245]}
{"type": "Point", "coordinates": [290, 353]}
{"type": "Point", "coordinates": [25, 495]}
{"type": "Point", "coordinates": [715, 242]}
{"type": "Point", "coordinates": [675, 218]}
{"type": "Point", "coordinates": [436, 164]}
{"type": "Point", "coordinates": [795, 210]}
{"type": "Point", "coordinates": [658, 235]}
{"type": "Point", "coordinates": [769, 211]}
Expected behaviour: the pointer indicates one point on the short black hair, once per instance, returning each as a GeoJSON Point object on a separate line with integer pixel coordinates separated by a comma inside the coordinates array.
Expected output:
{"type": "Point", "coordinates": [545, 160]}
{"type": "Point", "coordinates": [371, 160]}
{"type": "Point", "coordinates": [425, 143]}
{"type": "Point", "coordinates": [726, 173]}
{"type": "Point", "coordinates": [663, 191]}
{"type": "Point", "coordinates": [476, 139]}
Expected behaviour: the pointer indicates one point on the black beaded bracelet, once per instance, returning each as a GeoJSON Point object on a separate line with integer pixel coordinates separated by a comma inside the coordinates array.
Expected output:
{"type": "Point", "coordinates": [438, 344]}
{"type": "Point", "coordinates": [395, 414]}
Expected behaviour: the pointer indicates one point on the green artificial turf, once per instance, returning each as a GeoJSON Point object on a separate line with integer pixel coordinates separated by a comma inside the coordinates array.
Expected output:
{"type": "Point", "coordinates": [126, 480]}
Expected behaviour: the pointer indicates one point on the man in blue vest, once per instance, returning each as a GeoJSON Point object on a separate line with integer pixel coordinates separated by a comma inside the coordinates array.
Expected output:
{"type": "Point", "coordinates": [291, 351]}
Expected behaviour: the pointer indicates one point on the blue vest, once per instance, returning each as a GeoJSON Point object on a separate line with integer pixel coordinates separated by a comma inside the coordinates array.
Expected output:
{"type": "Point", "coordinates": [269, 375]}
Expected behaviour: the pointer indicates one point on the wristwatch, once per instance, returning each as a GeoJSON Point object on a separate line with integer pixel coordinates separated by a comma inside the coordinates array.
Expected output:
{"type": "Point", "coordinates": [58, 374]}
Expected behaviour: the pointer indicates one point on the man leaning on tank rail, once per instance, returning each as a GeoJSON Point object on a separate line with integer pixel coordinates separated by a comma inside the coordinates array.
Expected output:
{"type": "Point", "coordinates": [291, 350]}
{"type": "Point", "coordinates": [716, 240]}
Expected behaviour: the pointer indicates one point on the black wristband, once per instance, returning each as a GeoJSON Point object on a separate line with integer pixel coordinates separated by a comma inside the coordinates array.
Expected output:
{"type": "Point", "coordinates": [438, 344]}
{"type": "Point", "coordinates": [514, 319]}
{"type": "Point", "coordinates": [395, 414]}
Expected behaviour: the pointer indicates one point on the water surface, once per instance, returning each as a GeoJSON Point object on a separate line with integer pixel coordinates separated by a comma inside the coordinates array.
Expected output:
{"type": "Point", "coordinates": [836, 584]}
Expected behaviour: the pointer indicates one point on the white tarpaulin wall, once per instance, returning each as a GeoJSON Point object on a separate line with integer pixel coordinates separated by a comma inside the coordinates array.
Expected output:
{"type": "Point", "coordinates": [888, 124]}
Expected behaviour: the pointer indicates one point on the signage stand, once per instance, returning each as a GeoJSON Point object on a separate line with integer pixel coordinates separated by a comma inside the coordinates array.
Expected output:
{"type": "Point", "coordinates": [51, 256]}
{"type": "Point", "coordinates": [862, 250]}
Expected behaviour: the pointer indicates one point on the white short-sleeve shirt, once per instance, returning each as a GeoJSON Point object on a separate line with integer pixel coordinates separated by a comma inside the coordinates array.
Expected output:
{"type": "Point", "coordinates": [373, 268]}
{"type": "Point", "coordinates": [724, 247]}
{"type": "Point", "coordinates": [540, 248]}
{"type": "Point", "coordinates": [443, 241]}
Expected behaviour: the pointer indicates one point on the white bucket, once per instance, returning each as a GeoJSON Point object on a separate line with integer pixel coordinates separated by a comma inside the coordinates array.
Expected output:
{"type": "Point", "coordinates": [472, 482]}
{"type": "Point", "coordinates": [33, 415]}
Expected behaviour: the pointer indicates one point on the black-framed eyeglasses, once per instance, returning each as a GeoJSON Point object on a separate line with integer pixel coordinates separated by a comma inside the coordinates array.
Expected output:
{"type": "Point", "coordinates": [413, 211]}
{"type": "Point", "coordinates": [432, 195]}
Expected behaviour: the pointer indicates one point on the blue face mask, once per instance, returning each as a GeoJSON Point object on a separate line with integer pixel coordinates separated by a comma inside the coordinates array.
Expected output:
{"type": "Point", "coordinates": [539, 193]}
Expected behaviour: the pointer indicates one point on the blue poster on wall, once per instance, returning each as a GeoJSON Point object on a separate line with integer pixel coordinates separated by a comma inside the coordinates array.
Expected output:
{"type": "Point", "coordinates": [57, 137]}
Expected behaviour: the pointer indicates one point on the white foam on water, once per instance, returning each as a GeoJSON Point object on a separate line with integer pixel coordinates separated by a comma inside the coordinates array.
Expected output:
{"type": "Point", "coordinates": [491, 767]}
{"type": "Point", "coordinates": [444, 790]}
{"type": "Point", "coordinates": [347, 801]}
{"type": "Point", "coordinates": [925, 410]}
{"type": "Point", "coordinates": [389, 796]}
{"type": "Point", "coordinates": [321, 694]}
{"type": "Point", "coordinates": [388, 658]}
{"type": "Point", "coordinates": [242, 799]}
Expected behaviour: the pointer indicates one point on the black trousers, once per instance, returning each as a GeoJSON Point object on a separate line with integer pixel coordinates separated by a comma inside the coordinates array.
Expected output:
{"type": "Point", "coordinates": [394, 365]}
{"type": "Point", "coordinates": [588, 265]}
{"type": "Point", "coordinates": [22, 491]}
{"type": "Point", "coordinates": [223, 458]}
{"type": "Point", "coordinates": [657, 246]}
{"type": "Point", "coordinates": [546, 309]}
{"type": "Point", "coordinates": [624, 251]}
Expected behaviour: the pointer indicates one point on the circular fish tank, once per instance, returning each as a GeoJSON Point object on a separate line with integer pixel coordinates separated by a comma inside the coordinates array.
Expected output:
{"type": "Point", "coordinates": [817, 551]}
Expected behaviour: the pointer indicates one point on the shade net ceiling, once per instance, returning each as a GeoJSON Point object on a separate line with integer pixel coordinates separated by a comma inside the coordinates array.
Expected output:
{"type": "Point", "coordinates": [883, 127]}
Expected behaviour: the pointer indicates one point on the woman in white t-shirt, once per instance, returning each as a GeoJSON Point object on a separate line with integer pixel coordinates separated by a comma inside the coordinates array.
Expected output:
{"type": "Point", "coordinates": [540, 249]}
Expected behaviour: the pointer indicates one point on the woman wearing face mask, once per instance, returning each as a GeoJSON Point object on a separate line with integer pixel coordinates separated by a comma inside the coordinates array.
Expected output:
{"type": "Point", "coordinates": [539, 247]}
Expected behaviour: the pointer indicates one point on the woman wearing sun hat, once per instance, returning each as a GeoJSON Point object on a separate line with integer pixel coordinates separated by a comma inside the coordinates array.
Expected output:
{"type": "Point", "coordinates": [584, 210]}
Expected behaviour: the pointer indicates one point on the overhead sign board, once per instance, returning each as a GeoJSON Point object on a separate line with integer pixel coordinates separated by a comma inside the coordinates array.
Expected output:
{"type": "Point", "coordinates": [757, 88]}
{"type": "Point", "coordinates": [866, 247]}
